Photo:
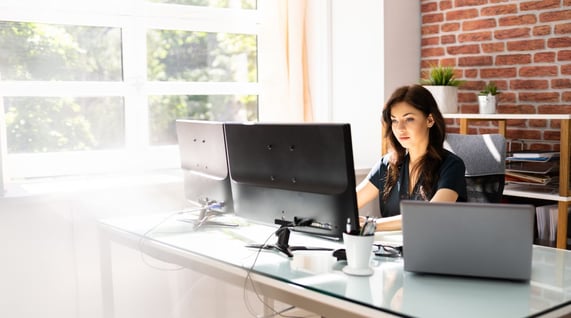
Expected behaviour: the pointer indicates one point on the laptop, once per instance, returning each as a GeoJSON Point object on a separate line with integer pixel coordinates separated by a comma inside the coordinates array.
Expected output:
{"type": "Point", "coordinates": [490, 240]}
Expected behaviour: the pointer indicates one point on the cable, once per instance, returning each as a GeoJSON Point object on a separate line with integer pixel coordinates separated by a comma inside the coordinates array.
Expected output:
{"type": "Point", "coordinates": [250, 280]}
{"type": "Point", "coordinates": [146, 235]}
{"type": "Point", "coordinates": [279, 313]}
{"type": "Point", "coordinates": [204, 215]}
{"type": "Point", "coordinates": [209, 209]}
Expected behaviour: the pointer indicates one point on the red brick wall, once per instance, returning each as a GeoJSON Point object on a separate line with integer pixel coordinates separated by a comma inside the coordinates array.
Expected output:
{"type": "Point", "coordinates": [522, 45]}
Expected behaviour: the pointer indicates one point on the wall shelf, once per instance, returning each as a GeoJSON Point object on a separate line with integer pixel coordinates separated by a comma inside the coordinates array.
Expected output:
{"type": "Point", "coordinates": [563, 197]}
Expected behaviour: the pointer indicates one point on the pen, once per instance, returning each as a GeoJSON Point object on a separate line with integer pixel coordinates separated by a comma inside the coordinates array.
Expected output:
{"type": "Point", "coordinates": [369, 227]}
{"type": "Point", "coordinates": [373, 227]}
{"type": "Point", "coordinates": [364, 225]}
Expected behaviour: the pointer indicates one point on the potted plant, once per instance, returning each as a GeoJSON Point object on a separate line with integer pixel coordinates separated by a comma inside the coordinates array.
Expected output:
{"type": "Point", "coordinates": [487, 99]}
{"type": "Point", "coordinates": [443, 85]}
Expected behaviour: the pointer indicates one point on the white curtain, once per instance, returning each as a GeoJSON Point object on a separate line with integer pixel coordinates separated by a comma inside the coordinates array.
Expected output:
{"type": "Point", "coordinates": [283, 69]}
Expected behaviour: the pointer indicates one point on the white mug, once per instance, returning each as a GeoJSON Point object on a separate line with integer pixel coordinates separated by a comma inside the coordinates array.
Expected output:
{"type": "Point", "coordinates": [358, 249]}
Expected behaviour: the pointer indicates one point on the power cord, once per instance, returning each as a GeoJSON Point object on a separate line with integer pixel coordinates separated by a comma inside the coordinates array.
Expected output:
{"type": "Point", "coordinates": [249, 280]}
{"type": "Point", "coordinates": [146, 235]}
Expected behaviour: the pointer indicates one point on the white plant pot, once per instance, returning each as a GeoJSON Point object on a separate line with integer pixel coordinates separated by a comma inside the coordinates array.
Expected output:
{"type": "Point", "coordinates": [446, 98]}
{"type": "Point", "coordinates": [487, 104]}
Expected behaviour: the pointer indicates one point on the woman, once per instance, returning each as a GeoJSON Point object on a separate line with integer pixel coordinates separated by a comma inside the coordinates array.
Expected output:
{"type": "Point", "coordinates": [417, 167]}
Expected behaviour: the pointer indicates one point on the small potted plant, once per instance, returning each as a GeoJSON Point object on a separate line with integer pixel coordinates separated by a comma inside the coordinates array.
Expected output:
{"type": "Point", "coordinates": [443, 85]}
{"type": "Point", "coordinates": [487, 98]}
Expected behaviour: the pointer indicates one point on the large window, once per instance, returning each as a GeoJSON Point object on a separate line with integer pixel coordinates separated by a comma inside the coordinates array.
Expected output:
{"type": "Point", "coordinates": [95, 88]}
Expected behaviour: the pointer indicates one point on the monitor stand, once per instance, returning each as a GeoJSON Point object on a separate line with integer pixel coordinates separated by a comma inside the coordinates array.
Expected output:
{"type": "Point", "coordinates": [206, 212]}
{"type": "Point", "coordinates": [283, 241]}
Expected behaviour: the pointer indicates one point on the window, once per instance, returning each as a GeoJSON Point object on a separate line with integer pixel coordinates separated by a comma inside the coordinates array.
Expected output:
{"type": "Point", "coordinates": [95, 86]}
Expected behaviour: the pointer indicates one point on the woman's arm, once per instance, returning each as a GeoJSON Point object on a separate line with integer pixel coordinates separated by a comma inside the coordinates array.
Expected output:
{"type": "Point", "coordinates": [445, 195]}
{"type": "Point", "coordinates": [391, 223]}
{"type": "Point", "coordinates": [394, 223]}
{"type": "Point", "coordinates": [366, 192]}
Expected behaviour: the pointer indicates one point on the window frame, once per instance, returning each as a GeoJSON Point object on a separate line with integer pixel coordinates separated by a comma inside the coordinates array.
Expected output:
{"type": "Point", "coordinates": [134, 19]}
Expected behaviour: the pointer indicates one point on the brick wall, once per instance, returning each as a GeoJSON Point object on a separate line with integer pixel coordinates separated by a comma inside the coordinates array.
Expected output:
{"type": "Point", "coordinates": [522, 45]}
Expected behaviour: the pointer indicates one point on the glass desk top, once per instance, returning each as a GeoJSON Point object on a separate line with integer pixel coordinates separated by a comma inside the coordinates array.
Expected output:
{"type": "Point", "coordinates": [390, 289]}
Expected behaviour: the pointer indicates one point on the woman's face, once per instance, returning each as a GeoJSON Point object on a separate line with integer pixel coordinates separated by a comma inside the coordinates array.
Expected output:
{"type": "Point", "coordinates": [410, 126]}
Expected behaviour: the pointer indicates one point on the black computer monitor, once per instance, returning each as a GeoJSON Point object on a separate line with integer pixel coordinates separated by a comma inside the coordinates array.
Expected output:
{"type": "Point", "coordinates": [203, 161]}
{"type": "Point", "coordinates": [298, 175]}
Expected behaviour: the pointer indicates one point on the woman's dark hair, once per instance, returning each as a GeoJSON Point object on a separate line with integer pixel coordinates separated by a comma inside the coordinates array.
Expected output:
{"type": "Point", "coordinates": [420, 98]}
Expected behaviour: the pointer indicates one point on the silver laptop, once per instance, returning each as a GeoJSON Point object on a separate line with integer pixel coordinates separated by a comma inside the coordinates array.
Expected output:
{"type": "Point", "coordinates": [468, 239]}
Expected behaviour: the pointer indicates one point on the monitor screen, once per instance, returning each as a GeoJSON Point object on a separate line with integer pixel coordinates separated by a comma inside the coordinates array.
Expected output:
{"type": "Point", "coordinates": [293, 171]}
{"type": "Point", "coordinates": [204, 164]}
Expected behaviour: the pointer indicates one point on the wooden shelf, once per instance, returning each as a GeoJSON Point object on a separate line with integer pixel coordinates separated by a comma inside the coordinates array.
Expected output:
{"type": "Point", "coordinates": [563, 197]}
{"type": "Point", "coordinates": [517, 190]}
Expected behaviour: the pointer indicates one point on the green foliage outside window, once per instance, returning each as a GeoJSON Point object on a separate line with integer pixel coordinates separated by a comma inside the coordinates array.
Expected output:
{"type": "Point", "coordinates": [164, 110]}
{"type": "Point", "coordinates": [39, 124]}
{"type": "Point", "coordinates": [45, 52]}
{"type": "Point", "coordinates": [201, 56]}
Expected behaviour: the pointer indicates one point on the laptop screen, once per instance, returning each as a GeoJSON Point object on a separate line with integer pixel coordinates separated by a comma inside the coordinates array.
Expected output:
{"type": "Point", "coordinates": [468, 239]}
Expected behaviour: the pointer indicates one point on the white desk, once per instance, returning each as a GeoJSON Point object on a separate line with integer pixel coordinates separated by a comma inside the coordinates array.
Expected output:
{"type": "Point", "coordinates": [313, 280]}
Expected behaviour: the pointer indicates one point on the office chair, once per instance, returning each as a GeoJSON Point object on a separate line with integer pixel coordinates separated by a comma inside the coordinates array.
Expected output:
{"type": "Point", "coordinates": [484, 157]}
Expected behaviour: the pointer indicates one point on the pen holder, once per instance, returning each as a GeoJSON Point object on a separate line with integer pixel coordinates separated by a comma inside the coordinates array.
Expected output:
{"type": "Point", "coordinates": [358, 249]}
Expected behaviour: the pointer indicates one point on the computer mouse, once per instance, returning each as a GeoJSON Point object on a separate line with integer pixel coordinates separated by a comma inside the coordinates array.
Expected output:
{"type": "Point", "coordinates": [340, 254]}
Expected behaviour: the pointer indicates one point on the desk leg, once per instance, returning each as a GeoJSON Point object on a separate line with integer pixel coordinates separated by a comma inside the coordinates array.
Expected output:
{"type": "Point", "coordinates": [269, 303]}
{"type": "Point", "coordinates": [106, 276]}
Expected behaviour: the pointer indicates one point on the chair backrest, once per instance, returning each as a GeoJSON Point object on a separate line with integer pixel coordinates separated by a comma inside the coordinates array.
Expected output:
{"type": "Point", "coordinates": [485, 160]}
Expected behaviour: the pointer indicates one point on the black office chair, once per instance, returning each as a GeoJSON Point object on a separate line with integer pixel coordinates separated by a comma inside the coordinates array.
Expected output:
{"type": "Point", "coordinates": [485, 160]}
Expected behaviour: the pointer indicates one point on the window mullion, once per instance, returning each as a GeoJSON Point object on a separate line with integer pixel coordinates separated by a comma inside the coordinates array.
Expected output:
{"type": "Point", "coordinates": [135, 77]}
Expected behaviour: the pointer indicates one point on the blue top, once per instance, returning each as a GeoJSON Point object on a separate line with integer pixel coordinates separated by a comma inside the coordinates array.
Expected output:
{"type": "Point", "coordinates": [450, 176]}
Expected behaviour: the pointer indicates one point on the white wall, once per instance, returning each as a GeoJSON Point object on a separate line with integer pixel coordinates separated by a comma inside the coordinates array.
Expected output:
{"type": "Point", "coordinates": [357, 68]}
{"type": "Point", "coordinates": [358, 59]}
{"type": "Point", "coordinates": [402, 43]}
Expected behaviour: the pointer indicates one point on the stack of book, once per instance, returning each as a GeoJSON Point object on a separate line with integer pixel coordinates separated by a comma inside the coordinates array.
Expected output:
{"type": "Point", "coordinates": [531, 168]}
